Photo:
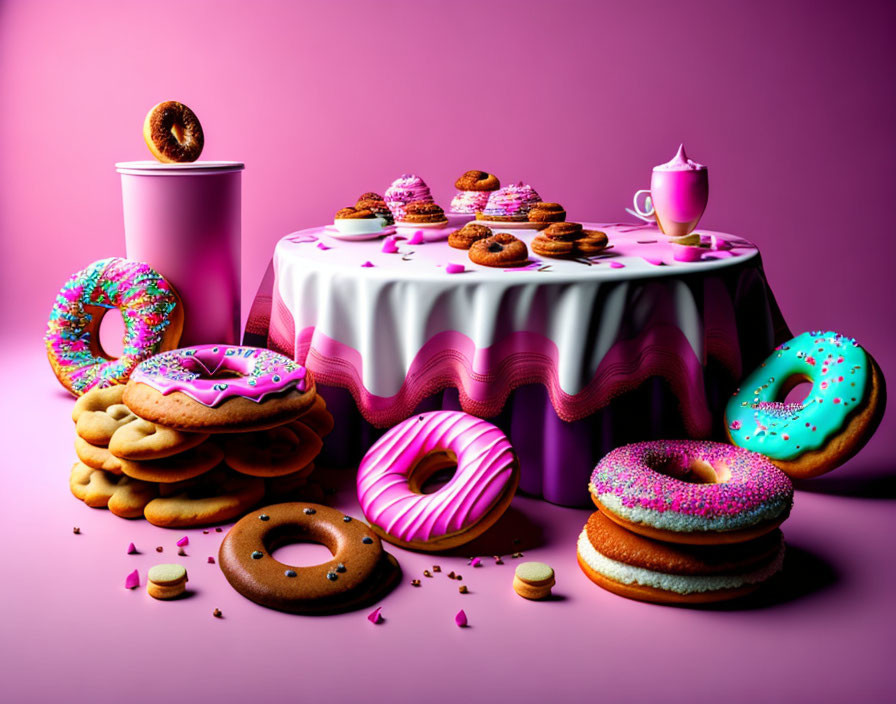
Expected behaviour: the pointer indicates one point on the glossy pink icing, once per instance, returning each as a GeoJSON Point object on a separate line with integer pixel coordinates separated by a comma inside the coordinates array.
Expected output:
{"type": "Point", "coordinates": [515, 199]}
{"type": "Point", "coordinates": [206, 373]}
{"type": "Point", "coordinates": [407, 188]}
{"type": "Point", "coordinates": [485, 468]}
{"type": "Point", "coordinates": [469, 202]}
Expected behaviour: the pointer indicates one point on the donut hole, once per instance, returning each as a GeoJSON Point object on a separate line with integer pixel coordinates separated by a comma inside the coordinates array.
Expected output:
{"type": "Point", "coordinates": [693, 470]}
{"type": "Point", "coordinates": [298, 547]}
{"type": "Point", "coordinates": [302, 554]}
{"type": "Point", "coordinates": [432, 472]}
{"type": "Point", "coordinates": [177, 131]}
{"type": "Point", "coordinates": [111, 334]}
{"type": "Point", "coordinates": [798, 392]}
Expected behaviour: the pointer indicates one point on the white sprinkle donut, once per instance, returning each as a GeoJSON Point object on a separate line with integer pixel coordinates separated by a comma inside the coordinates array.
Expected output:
{"type": "Point", "coordinates": [394, 470]}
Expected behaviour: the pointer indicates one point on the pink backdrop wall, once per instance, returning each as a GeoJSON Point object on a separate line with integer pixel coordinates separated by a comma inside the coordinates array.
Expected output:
{"type": "Point", "coordinates": [790, 104]}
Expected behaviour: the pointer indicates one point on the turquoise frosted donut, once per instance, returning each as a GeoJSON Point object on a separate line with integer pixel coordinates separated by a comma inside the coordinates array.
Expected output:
{"type": "Point", "coordinates": [843, 377]}
{"type": "Point", "coordinates": [152, 313]}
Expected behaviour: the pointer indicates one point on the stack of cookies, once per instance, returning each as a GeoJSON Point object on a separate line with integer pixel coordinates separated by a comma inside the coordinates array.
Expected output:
{"type": "Point", "coordinates": [568, 240]}
{"type": "Point", "coordinates": [189, 475]}
{"type": "Point", "coordinates": [684, 522]}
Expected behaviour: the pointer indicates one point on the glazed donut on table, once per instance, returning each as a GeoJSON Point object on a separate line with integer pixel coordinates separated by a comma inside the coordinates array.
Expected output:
{"type": "Point", "coordinates": [834, 421]}
{"type": "Point", "coordinates": [691, 491]}
{"type": "Point", "coordinates": [173, 133]}
{"type": "Point", "coordinates": [394, 470]}
{"type": "Point", "coordinates": [153, 320]}
{"type": "Point", "coordinates": [220, 389]}
{"type": "Point", "coordinates": [359, 573]}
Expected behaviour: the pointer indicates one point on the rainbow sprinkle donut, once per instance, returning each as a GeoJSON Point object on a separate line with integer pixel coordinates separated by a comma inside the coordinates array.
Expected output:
{"type": "Point", "coordinates": [691, 491]}
{"type": "Point", "coordinates": [153, 319]}
{"type": "Point", "coordinates": [833, 422]}
{"type": "Point", "coordinates": [394, 470]}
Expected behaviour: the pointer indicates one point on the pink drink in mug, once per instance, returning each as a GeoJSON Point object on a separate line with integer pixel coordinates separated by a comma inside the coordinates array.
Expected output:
{"type": "Point", "coordinates": [184, 221]}
{"type": "Point", "coordinates": [679, 190]}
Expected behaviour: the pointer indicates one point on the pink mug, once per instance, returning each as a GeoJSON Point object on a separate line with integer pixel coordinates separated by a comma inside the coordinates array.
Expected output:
{"type": "Point", "coordinates": [184, 221]}
{"type": "Point", "coordinates": [679, 191]}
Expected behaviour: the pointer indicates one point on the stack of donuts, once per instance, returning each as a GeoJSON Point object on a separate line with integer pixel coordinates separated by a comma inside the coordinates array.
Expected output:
{"type": "Point", "coordinates": [198, 436]}
{"type": "Point", "coordinates": [684, 521]}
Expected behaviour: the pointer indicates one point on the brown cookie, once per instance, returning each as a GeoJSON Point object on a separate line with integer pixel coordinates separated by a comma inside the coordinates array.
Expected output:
{"type": "Point", "coordinates": [99, 413]}
{"type": "Point", "coordinates": [273, 452]}
{"type": "Point", "coordinates": [517, 217]}
{"type": "Point", "coordinates": [142, 440]}
{"type": "Point", "coordinates": [563, 231]}
{"type": "Point", "coordinates": [188, 464]}
{"type": "Point", "coordinates": [353, 213]}
{"type": "Point", "coordinates": [179, 411]}
{"type": "Point", "coordinates": [423, 212]}
{"type": "Point", "coordinates": [96, 457]}
{"type": "Point", "coordinates": [318, 418]}
{"type": "Point", "coordinates": [370, 195]}
{"type": "Point", "coordinates": [378, 208]}
{"type": "Point", "coordinates": [546, 247]}
{"type": "Point", "coordinates": [592, 242]}
{"type": "Point", "coordinates": [467, 235]}
{"type": "Point", "coordinates": [224, 495]}
{"type": "Point", "coordinates": [359, 573]}
{"type": "Point", "coordinates": [293, 485]}
{"type": "Point", "coordinates": [500, 250]}
{"type": "Point", "coordinates": [547, 213]}
{"type": "Point", "coordinates": [477, 181]}
{"type": "Point", "coordinates": [124, 496]}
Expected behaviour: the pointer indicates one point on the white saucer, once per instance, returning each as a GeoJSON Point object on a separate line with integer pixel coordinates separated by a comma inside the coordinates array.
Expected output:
{"type": "Point", "coordinates": [336, 234]}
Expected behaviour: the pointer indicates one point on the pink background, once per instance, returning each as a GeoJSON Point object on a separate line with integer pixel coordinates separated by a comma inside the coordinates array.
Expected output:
{"type": "Point", "coordinates": [791, 105]}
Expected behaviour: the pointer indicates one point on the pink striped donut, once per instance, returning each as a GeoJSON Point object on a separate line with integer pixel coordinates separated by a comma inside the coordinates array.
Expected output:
{"type": "Point", "coordinates": [691, 491]}
{"type": "Point", "coordinates": [399, 463]}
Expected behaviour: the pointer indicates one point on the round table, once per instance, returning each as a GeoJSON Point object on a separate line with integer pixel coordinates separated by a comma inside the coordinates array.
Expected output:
{"type": "Point", "coordinates": [570, 357]}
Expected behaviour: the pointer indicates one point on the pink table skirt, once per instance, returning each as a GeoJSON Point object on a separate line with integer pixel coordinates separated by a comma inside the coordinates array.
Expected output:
{"type": "Point", "coordinates": [674, 354]}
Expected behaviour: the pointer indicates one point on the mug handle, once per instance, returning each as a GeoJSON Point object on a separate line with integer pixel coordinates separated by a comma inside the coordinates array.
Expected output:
{"type": "Point", "coordinates": [648, 211]}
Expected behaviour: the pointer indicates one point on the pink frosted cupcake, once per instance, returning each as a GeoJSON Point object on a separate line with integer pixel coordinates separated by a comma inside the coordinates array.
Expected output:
{"type": "Point", "coordinates": [473, 190]}
{"type": "Point", "coordinates": [510, 204]}
{"type": "Point", "coordinates": [408, 188]}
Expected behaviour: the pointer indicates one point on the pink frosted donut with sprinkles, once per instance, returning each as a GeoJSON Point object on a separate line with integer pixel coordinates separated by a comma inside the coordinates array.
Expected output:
{"type": "Point", "coordinates": [691, 491]}
{"type": "Point", "coordinates": [220, 389]}
{"type": "Point", "coordinates": [394, 472]}
{"type": "Point", "coordinates": [153, 317]}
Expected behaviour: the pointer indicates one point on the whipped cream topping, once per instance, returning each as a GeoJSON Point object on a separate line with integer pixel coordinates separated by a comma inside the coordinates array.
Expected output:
{"type": "Point", "coordinates": [515, 199]}
{"type": "Point", "coordinates": [407, 188]}
{"type": "Point", "coordinates": [469, 202]}
{"type": "Point", "coordinates": [680, 162]}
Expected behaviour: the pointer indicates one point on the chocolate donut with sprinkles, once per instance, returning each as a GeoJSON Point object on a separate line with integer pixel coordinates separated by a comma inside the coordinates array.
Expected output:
{"type": "Point", "coordinates": [832, 423]}
{"type": "Point", "coordinates": [359, 573]}
{"type": "Point", "coordinates": [153, 320]}
{"type": "Point", "coordinates": [691, 491]}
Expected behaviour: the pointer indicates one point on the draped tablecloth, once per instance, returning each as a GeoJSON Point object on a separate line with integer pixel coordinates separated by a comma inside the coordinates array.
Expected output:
{"type": "Point", "coordinates": [570, 357]}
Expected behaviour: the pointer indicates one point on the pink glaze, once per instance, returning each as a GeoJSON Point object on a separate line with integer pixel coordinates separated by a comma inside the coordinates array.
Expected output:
{"type": "Point", "coordinates": [407, 188]}
{"type": "Point", "coordinates": [654, 483]}
{"type": "Point", "coordinates": [367, 265]}
{"type": "Point", "coordinates": [469, 202]}
{"type": "Point", "coordinates": [460, 619]}
{"type": "Point", "coordinates": [389, 245]}
{"type": "Point", "coordinates": [452, 268]}
{"type": "Point", "coordinates": [416, 238]}
{"type": "Point", "coordinates": [132, 549]}
{"type": "Point", "coordinates": [685, 253]}
{"type": "Point", "coordinates": [485, 470]}
{"type": "Point", "coordinates": [195, 372]}
{"type": "Point", "coordinates": [375, 616]}
{"type": "Point", "coordinates": [183, 542]}
{"type": "Point", "coordinates": [132, 581]}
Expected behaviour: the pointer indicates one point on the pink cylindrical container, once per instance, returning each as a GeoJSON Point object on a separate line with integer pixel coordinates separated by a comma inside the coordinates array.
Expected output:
{"type": "Point", "coordinates": [679, 191]}
{"type": "Point", "coordinates": [184, 221]}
